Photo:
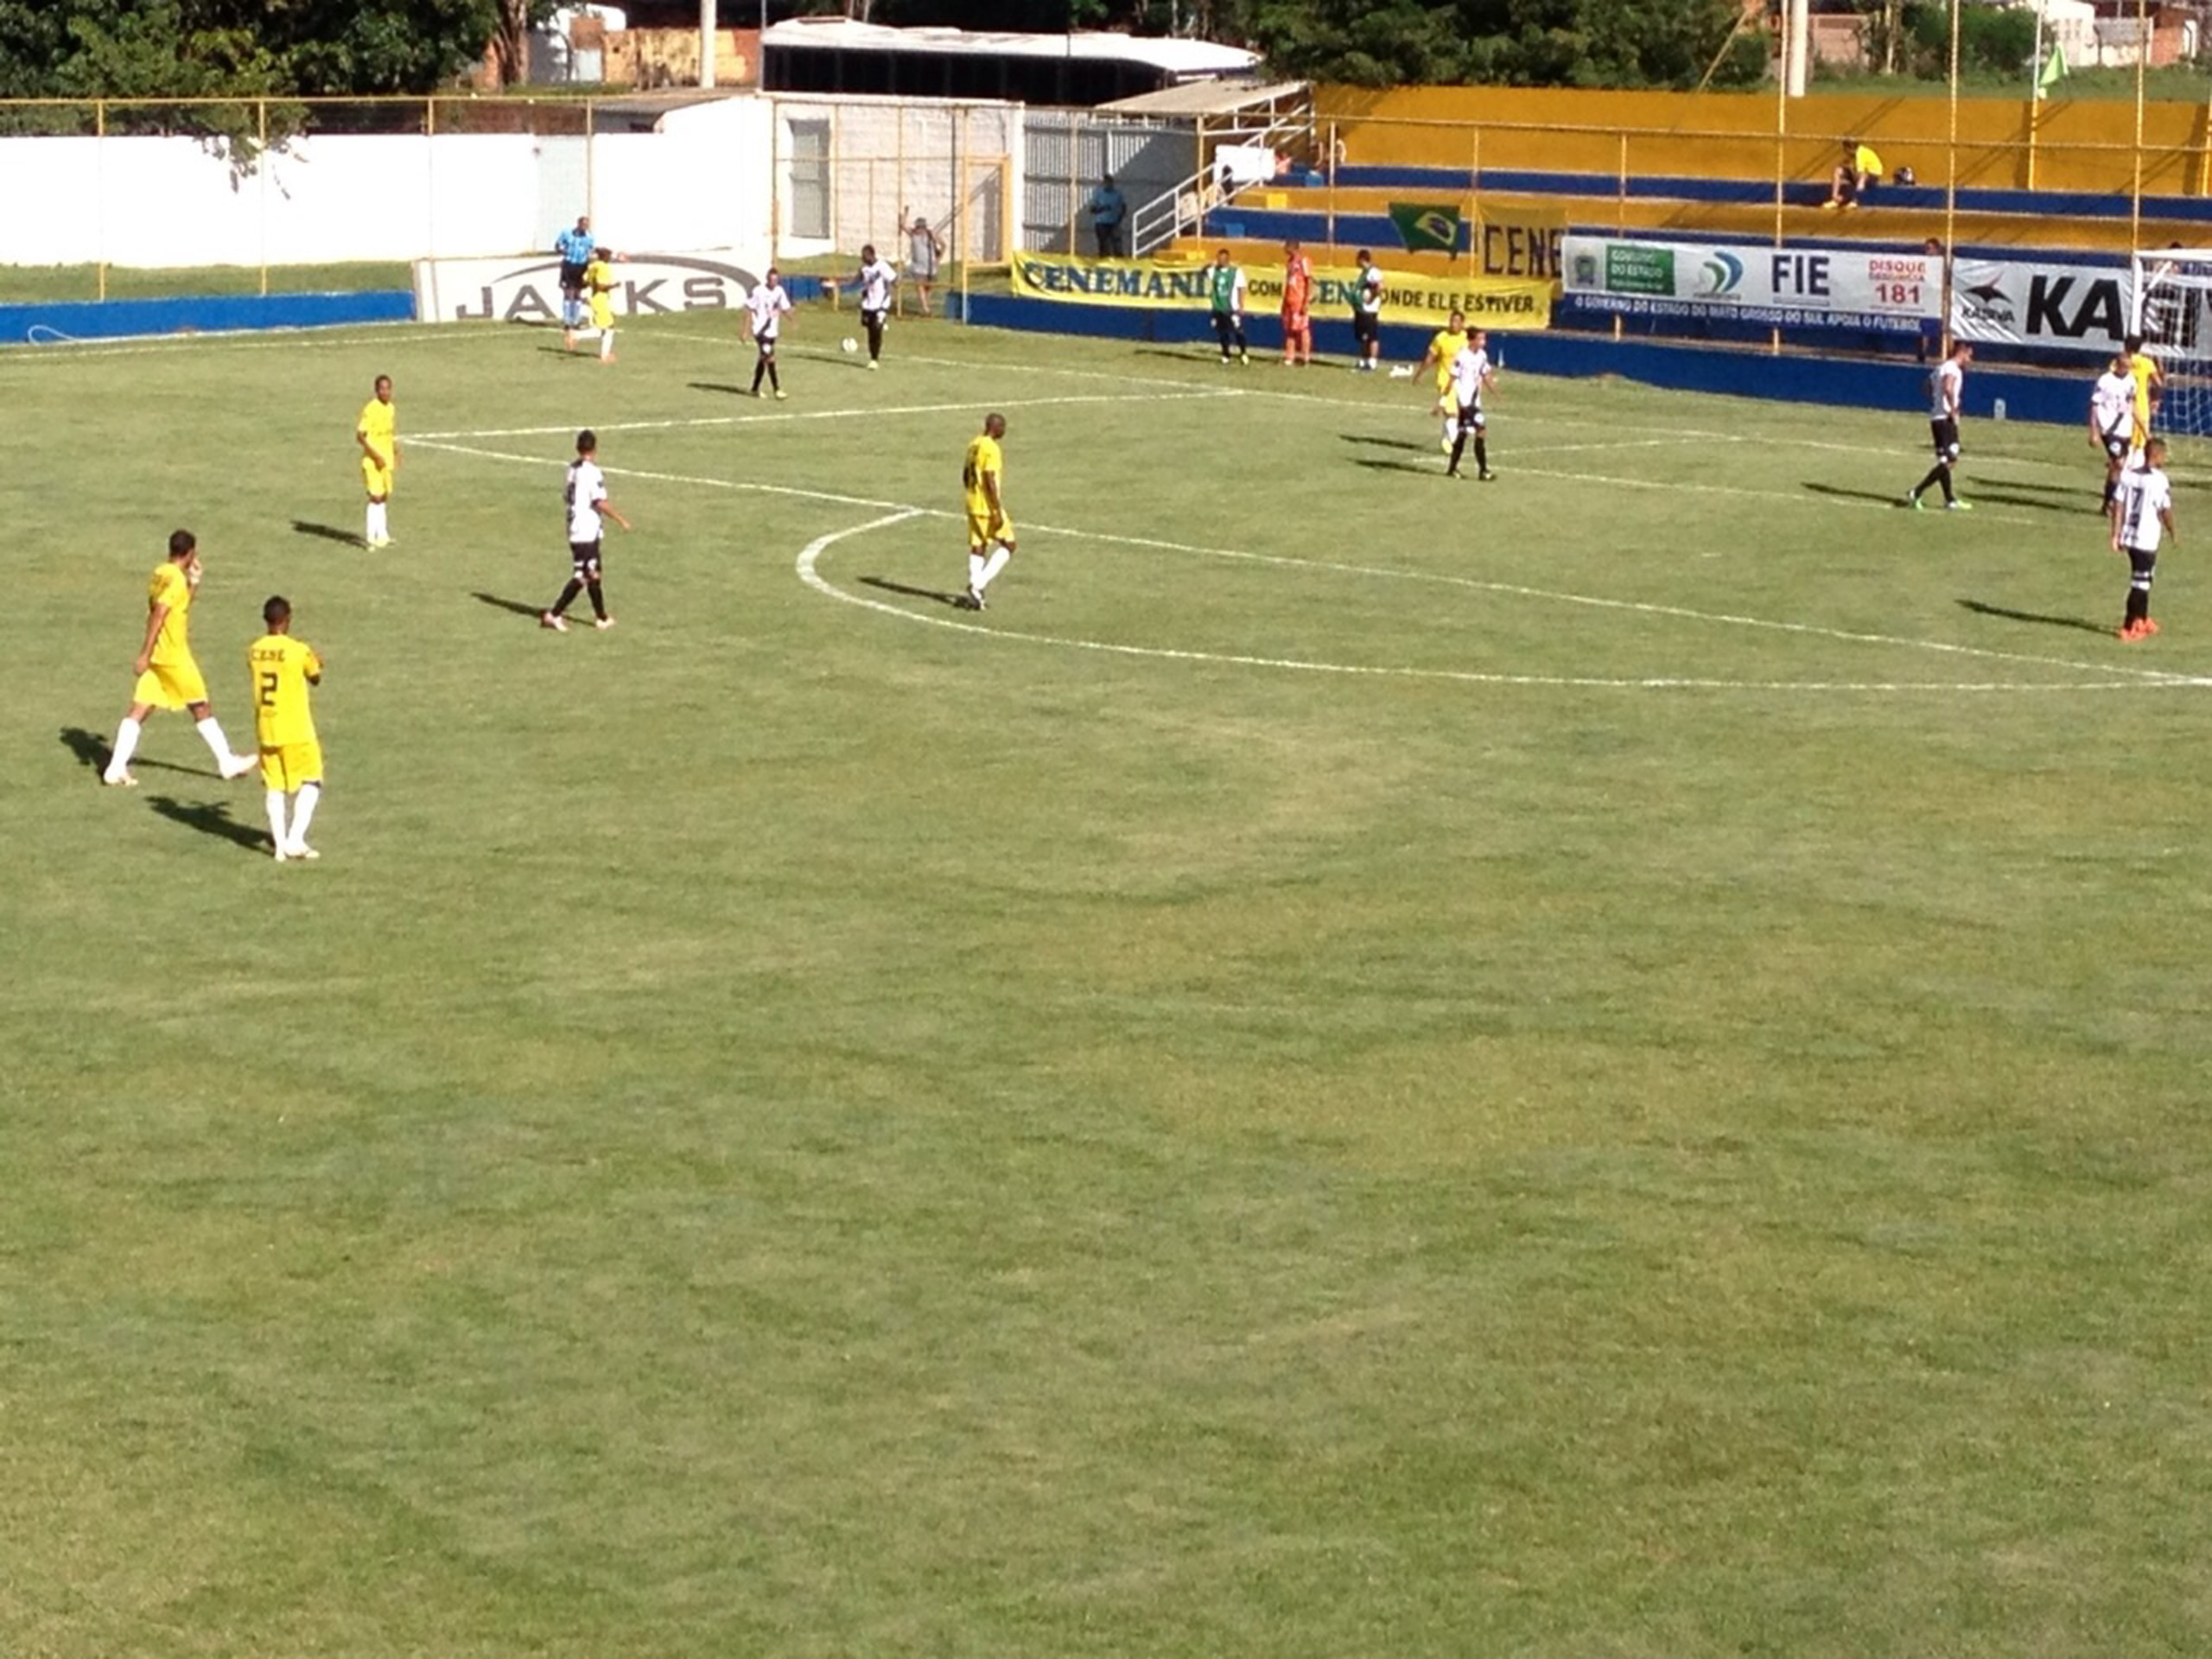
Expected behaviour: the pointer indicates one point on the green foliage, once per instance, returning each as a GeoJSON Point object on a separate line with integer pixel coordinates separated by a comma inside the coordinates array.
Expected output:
{"type": "Point", "coordinates": [1517, 42]}
{"type": "Point", "coordinates": [1411, 43]}
{"type": "Point", "coordinates": [225, 49]}
{"type": "Point", "coordinates": [1990, 41]}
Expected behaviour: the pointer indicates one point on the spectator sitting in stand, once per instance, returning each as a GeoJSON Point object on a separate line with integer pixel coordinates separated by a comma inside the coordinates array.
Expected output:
{"type": "Point", "coordinates": [1858, 171]}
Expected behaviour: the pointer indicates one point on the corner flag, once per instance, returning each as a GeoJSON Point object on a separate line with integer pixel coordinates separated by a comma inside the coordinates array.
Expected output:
{"type": "Point", "coordinates": [2054, 70]}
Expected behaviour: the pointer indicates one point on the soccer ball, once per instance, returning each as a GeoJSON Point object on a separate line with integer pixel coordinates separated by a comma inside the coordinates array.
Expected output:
{"type": "Point", "coordinates": [849, 344]}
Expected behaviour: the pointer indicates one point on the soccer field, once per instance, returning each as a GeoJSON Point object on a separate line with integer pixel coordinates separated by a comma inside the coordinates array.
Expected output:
{"type": "Point", "coordinates": [1606, 1063]}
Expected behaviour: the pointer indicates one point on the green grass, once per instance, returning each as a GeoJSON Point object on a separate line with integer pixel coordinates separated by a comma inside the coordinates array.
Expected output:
{"type": "Point", "coordinates": [790, 1128]}
{"type": "Point", "coordinates": [23, 284]}
{"type": "Point", "coordinates": [2174, 84]}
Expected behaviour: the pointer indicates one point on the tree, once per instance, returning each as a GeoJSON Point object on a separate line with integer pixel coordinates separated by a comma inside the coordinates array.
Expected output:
{"type": "Point", "coordinates": [248, 48]}
{"type": "Point", "coordinates": [1520, 42]}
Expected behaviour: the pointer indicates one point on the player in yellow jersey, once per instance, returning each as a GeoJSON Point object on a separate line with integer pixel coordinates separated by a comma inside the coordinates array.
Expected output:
{"type": "Point", "coordinates": [2150, 386]}
{"type": "Point", "coordinates": [990, 532]}
{"type": "Point", "coordinates": [378, 433]}
{"type": "Point", "coordinates": [291, 758]}
{"type": "Point", "coordinates": [1444, 349]}
{"type": "Point", "coordinates": [599, 294]}
{"type": "Point", "coordinates": [167, 678]}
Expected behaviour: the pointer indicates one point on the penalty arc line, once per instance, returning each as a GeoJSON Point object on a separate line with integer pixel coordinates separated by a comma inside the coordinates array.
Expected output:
{"type": "Point", "coordinates": [2132, 673]}
{"type": "Point", "coordinates": [808, 563]}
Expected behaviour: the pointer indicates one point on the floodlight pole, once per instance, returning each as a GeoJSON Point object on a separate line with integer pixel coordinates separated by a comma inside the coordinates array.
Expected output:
{"type": "Point", "coordinates": [707, 21]}
{"type": "Point", "coordinates": [2142, 63]}
{"type": "Point", "coordinates": [1951, 179]}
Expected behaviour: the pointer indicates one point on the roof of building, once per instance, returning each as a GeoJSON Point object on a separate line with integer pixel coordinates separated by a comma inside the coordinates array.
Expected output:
{"type": "Point", "coordinates": [1208, 98]}
{"type": "Point", "coordinates": [1186, 59]}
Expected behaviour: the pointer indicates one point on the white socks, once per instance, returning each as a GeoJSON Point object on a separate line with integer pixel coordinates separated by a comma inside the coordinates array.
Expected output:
{"type": "Point", "coordinates": [379, 526]}
{"type": "Point", "coordinates": [606, 345]}
{"type": "Point", "coordinates": [992, 566]}
{"type": "Point", "coordinates": [303, 813]}
{"type": "Point", "coordinates": [295, 842]}
{"type": "Point", "coordinates": [126, 744]}
{"type": "Point", "coordinates": [975, 577]}
{"type": "Point", "coordinates": [211, 734]}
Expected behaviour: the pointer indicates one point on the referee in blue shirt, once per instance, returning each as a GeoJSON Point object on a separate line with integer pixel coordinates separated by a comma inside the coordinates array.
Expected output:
{"type": "Point", "coordinates": [575, 248]}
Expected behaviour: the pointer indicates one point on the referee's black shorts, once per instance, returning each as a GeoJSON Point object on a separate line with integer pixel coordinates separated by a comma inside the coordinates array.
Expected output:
{"type": "Point", "coordinates": [572, 279]}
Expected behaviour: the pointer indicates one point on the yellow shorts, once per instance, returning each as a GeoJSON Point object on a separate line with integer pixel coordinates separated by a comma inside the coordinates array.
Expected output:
{"type": "Point", "coordinates": [290, 765]}
{"type": "Point", "coordinates": [602, 313]}
{"type": "Point", "coordinates": [980, 533]}
{"type": "Point", "coordinates": [375, 479]}
{"type": "Point", "coordinates": [170, 685]}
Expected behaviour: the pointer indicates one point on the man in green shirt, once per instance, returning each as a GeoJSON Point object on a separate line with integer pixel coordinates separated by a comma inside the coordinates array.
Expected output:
{"type": "Point", "coordinates": [1225, 294]}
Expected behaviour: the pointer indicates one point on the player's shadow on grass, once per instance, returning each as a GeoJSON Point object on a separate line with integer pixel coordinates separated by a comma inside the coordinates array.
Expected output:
{"type": "Point", "coordinates": [1427, 469]}
{"type": "Point", "coordinates": [326, 532]}
{"type": "Point", "coordinates": [1979, 608]}
{"type": "Point", "coordinates": [1977, 493]}
{"type": "Point", "coordinates": [92, 751]}
{"type": "Point", "coordinates": [711, 385]}
{"type": "Point", "coordinates": [513, 605]}
{"type": "Point", "coordinates": [957, 601]}
{"type": "Point", "coordinates": [211, 818]}
{"type": "Point", "coordinates": [1882, 497]}
{"type": "Point", "coordinates": [1382, 443]}
{"type": "Point", "coordinates": [2046, 489]}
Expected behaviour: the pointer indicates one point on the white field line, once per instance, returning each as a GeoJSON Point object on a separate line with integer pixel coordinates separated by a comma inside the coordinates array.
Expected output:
{"type": "Point", "coordinates": [899, 511]}
{"type": "Point", "coordinates": [1656, 437]}
{"type": "Point", "coordinates": [239, 339]}
{"type": "Point", "coordinates": [1124, 378]}
{"type": "Point", "coordinates": [808, 571]}
{"type": "Point", "coordinates": [1636, 443]}
{"type": "Point", "coordinates": [1690, 435]}
{"type": "Point", "coordinates": [770, 416]}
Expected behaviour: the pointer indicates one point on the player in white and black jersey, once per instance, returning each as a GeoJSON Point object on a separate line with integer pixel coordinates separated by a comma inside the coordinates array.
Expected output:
{"type": "Point", "coordinates": [766, 307]}
{"type": "Point", "coordinates": [1471, 376]}
{"type": "Point", "coordinates": [585, 495]}
{"type": "Point", "coordinates": [2142, 509]}
{"type": "Point", "coordinates": [873, 282]}
{"type": "Point", "coordinates": [2112, 421]}
{"type": "Point", "coordinates": [1946, 393]}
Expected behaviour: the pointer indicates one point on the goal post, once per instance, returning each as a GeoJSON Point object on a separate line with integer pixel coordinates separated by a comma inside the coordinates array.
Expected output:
{"type": "Point", "coordinates": [2169, 305]}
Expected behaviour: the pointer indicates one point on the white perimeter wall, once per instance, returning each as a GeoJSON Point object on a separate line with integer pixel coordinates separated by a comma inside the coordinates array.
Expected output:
{"type": "Point", "coordinates": [702, 183]}
{"type": "Point", "coordinates": [961, 164]}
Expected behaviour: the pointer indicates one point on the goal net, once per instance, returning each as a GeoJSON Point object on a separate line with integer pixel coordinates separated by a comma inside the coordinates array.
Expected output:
{"type": "Point", "coordinates": [2172, 310]}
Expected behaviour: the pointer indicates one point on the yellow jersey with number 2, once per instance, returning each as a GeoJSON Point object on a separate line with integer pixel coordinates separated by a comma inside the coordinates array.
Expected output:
{"type": "Point", "coordinates": [284, 668]}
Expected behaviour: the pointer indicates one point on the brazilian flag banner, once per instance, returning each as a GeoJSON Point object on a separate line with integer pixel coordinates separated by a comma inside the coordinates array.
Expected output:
{"type": "Point", "coordinates": [1427, 226]}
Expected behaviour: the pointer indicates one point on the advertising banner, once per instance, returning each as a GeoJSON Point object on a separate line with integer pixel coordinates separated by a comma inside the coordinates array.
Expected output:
{"type": "Point", "coordinates": [1514, 240]}
{"type": "Point", "coordinates": [1757, 283]}
{"type": "Point", "coordinates": [527, 289]}
{"type": "Point", "coordinates": [1169, 284]}
{"type": "Point", "coordinates": [2060, 308]}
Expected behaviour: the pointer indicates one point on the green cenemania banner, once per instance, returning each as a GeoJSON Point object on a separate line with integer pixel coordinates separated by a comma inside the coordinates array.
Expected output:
{"type": "Point", "coordinates": [1170, 284]}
